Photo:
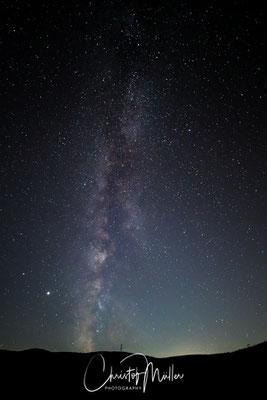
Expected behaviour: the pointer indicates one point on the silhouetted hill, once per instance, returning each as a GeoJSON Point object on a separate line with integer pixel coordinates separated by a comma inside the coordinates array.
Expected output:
{"type": "Point", "coordinates": [38, 372]}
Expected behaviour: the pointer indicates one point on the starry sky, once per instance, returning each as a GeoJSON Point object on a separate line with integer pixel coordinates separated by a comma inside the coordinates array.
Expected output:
{"type": "Point", "coordinates": [133, 176]}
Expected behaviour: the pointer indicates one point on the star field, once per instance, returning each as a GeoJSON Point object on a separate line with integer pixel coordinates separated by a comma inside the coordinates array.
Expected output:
{"type": "Point", "coordinates": [133, 176]}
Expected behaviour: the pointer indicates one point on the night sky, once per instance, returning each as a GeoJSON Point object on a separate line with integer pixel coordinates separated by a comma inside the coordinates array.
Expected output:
{"type": "Point", "coordinates": [133, 176]}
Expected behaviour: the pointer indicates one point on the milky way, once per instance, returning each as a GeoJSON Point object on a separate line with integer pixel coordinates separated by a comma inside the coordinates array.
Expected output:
{"type": "Point", "coordinates": [116, 216]}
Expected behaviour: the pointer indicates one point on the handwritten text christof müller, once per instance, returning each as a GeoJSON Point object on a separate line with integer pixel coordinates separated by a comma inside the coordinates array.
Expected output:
{"type": "Point", "coordinates": [130, 375]}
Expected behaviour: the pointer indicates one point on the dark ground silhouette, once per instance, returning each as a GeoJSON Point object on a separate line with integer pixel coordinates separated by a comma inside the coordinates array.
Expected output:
{"type": "Point", "coordinates": [37, 372]}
